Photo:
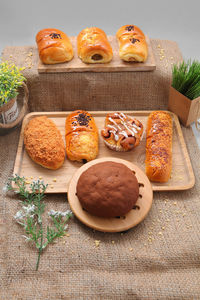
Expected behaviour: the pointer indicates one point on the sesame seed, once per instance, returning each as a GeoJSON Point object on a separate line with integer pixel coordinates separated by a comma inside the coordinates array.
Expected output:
{"type": "Point", "coordinates": [97, 242]}
{"type": "Point", "coordinates": [52, 186]}
{"type": "Point", "coordinates": [163, 228]}
{"type": "Point", "coordinates": [67, 234]}
{"type": "Point", "coordinates": [40, 177]}
{"type": "Point", "coordinates": [158, 46]}
{"type": "Point", "coordinates": [160, 233]}
{"type": "Point", "coordinates": [175, 203]}
{"type": "Point", "coordinates": [31, 177]}
{"type": "Point", "coordinates": [113, 242]}
{"type": "Point", "coordinates": [171, 57]}
{"type": "Point", "coordinates": [54, 180]}
{"type": "Point", "coordinates": [131, 249]}
{"type": "Point", "coordinates": [11, 56]}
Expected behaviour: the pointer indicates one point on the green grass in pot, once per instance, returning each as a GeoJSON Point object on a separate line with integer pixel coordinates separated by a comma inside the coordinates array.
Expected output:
{"type": "Point", "coordinates": [186, 78]}
{"type": "Point", "coordinates": [11, 79]}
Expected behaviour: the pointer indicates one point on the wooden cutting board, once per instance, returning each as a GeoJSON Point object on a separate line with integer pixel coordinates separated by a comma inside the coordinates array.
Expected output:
{"type": "Point", "coordinates": [182, 176]}
{"type": "Point", "coordinates": [116, 65]}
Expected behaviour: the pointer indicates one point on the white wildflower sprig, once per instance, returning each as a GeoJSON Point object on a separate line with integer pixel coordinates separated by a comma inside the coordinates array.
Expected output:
{"type": "Point", "coordinates": [30, 214]}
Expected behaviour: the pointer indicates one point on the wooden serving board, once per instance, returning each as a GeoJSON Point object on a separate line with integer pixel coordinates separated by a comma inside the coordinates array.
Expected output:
{"type": "Point", "coordinates": [182, 176]}
{"type": "Point", "coordinates": [116, 65]}
{"type": "Point", "coordinates": [117, 224]}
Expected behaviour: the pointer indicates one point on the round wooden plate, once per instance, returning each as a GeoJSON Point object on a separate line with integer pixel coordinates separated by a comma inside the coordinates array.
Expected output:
{"type": "Point", "coordinates": [117, 224]}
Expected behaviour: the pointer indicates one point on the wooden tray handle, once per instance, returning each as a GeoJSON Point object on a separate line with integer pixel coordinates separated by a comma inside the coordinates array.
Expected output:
{"type": "Point", "coordinates": [22, 112]}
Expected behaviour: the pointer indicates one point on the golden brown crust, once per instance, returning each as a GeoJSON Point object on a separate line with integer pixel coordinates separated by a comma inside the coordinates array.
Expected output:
{"type": "Point", "coordinates": [132, 43]}
{"type": "Point", "coordinates": [122, 132]}
{"type": "Point", "coordinates": [43, 142]}
{"type": "Point", "coordinates": [54, 46]}
{"type": "Point", "coordinates": [159, 146]}
{"type": "Point", "coordinates": [93, 46]}
{"type": "Point", "coordinates": [81, 136]}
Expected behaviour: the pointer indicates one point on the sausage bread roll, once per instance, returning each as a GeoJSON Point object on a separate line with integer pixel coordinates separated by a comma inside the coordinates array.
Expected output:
{"type": "Point", "coordinates": [54, 46]}
{"type": "Point", "coordinates": [93, 46]}
{"type": "Point", "coordinates": [43, 142]}
{"type": "Point", "coordinates": [121, 132]}
{"type": "Point", "coordinates": [132, 44]}
{"type": "Point", "coordinates": [159, 146]}
{"type": "Point", "coordinates": [81, 136]}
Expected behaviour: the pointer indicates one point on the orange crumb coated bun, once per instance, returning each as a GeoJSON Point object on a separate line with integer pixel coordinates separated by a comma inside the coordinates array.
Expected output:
{"type": "Point", "coordinates": [43, 142]}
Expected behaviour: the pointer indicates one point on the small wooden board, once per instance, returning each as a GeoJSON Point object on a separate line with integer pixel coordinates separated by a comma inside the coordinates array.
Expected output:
{"type": "Point", "coordinates": [118, 224]}
{"type": "Point", "coordinates": [182, 176]}
{"type": "Point", "coordinates": [116, 65]}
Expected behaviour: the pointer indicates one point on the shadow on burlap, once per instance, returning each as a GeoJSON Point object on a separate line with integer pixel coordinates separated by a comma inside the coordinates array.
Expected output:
{"type": "Point", "coordinates": [158, 259]}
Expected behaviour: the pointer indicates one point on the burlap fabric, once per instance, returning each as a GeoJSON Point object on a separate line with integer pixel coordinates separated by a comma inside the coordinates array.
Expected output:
{"type": "Point", "coordinates": [98, 91]}
{"type": "Point", "coordinates": [158, 259]}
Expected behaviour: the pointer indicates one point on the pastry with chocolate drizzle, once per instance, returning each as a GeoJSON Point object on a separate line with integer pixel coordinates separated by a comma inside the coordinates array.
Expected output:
{"type": "Point", "coordinates": [81, 135]}
{"type": "Point", "coordinates": [121, 132]}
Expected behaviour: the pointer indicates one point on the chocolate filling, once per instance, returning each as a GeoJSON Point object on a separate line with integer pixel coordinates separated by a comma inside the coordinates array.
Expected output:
{"type": "Point", "coordinates": [97, 57]}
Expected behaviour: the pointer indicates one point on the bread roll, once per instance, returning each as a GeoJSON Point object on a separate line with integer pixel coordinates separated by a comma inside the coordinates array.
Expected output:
{"type": "Point", "coordinates": [81, 136]}
{"type": "Point", "coordinates": [132, 44]}
{"type": "Point", "coordinates": [159, 146]}
{"type": "Point", "coordinates": [93, 46]}
{"type": "Point", "coordinates": [121, 132]}
{"type": "Point", "coordinates": [108, 189]}
{"type": "Point", "coordinates": [44, 144]}
{"type": "Point", "coordinates": [54, 46]}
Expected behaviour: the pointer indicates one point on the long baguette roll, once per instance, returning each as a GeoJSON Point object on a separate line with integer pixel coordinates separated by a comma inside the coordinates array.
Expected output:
{"type": "Point", "coordinates": [132, 44]}
{"type": "Point", "coordinates": [54, 46]}
{"type": "Point", "coordinates": [81, 135]}
{"type": "Point", "coordinates": [93, 46]}
{"type": "Point", "coordinates": [159, 146]}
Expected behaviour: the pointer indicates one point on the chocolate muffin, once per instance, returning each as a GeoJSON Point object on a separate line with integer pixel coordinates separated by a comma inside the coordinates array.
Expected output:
{"type": "Point", "coordinates": [108, 189]}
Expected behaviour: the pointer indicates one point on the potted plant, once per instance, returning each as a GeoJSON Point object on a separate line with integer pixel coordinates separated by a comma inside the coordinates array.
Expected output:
{"type": "Point", "coordinates": [11, 79]}
{"type": "Point", "coordinates": [184, 96]}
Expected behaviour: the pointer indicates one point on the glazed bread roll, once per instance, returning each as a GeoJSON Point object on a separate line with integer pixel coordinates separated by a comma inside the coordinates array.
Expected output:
{"type": "Point", "coordinates": [44, 144]}
{"type": "Point", "coordinates": [93, 46]}
{"type": "Point", "coordinates": [54, 46]}
{"type": "Point", "coordinates": [132, 44]}
{"type": "Point", "coordinates": [81, 136]}
{"type": "Point", "coordinates": [159, 146]}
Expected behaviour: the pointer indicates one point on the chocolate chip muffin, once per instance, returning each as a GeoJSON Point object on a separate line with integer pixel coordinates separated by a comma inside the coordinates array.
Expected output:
{"type": "Point", "coordinates": [108, 189]}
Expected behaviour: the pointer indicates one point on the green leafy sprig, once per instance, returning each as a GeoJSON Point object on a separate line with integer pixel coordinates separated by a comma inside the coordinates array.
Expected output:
{"type": "Point", "coordinates": [186, 78]}
{"type": "Point", "coordinates": [30, 215]}
{"type": "Point", "coordinates": [11, 79]}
